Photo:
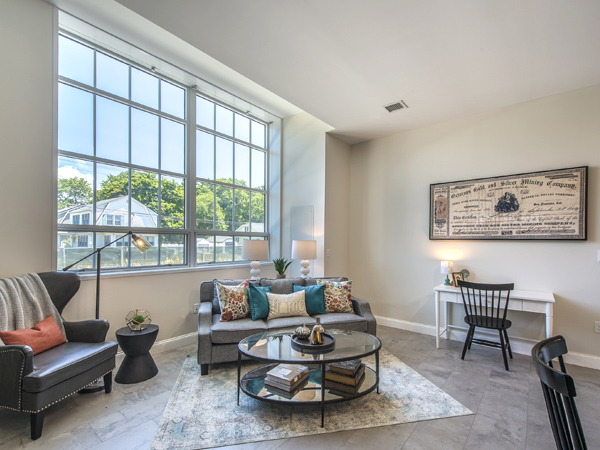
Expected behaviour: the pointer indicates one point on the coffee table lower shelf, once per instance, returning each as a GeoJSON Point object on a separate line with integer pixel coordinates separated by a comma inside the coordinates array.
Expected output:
{"type": "Point", "coordinates": [253, 385]}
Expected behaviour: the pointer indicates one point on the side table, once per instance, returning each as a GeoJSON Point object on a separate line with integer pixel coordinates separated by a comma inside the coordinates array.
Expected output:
{"type": "Point", "coordinates": [138, 364]}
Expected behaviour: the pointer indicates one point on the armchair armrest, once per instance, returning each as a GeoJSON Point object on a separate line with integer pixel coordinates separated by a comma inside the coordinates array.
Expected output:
{"type": "Point", "coordinates": [363, 309]}
{"type": "Point", "coordinates": [16, 361]}
{"type": "Point", "coordinates": [204, 339]}
{"type": "Point", "coordinates": [87, 330]}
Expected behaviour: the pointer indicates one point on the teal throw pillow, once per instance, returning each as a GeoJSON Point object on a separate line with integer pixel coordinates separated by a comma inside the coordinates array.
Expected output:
{"type": "Point", "coordinates": [314, 297]}
{"type": "Point", "coordinates": [259, 305]}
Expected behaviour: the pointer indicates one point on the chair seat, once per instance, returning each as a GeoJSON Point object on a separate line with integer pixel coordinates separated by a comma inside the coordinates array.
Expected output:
{"type": "Point", "coordinates": [344, 321]}
{"type": "Point", "coordinates": [234, 331]}
{"type": "Point", "coordinates": [488, 322]}
{"type": "Point", "coordinates": [66, 361]}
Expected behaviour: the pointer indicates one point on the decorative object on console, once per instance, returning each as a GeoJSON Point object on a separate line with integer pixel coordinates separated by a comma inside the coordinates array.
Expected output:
{"type": "Point", "coordinates": [316, 335]}
{"type": "Point", "coordinates": [138, 320]}
{"type": "Point", "coordinates": [446, 270]}
{"type": "Point", "coordinates": [281, 266]}
{"type": "Point", "coordinates": [455, 277]}
{"type": "Point", "coordinates": [255, 250]}
{"type": "Point", "coordinates": [304, 250]}
{"type": "Point", "coordinates": [466, 274]}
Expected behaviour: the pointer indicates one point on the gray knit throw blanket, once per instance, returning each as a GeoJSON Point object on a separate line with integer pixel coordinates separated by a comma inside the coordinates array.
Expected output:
{"type": "Point", "coordinates": [24, 301]}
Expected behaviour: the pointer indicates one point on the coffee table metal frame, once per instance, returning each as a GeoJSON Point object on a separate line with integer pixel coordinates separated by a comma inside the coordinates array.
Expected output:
{"type": "Point", "coordinates": [339, 335]}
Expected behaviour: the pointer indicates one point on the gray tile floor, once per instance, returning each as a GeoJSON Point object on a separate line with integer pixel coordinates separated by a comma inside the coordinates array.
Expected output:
{"type": "Point", "coordinates": [509, 407]}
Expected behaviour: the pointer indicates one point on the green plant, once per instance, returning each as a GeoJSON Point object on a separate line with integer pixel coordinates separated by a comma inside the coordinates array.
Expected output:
{"type": "Point", "coordinates": [139, 319]}
{"type": "Point", "coordinates": [281, 265]}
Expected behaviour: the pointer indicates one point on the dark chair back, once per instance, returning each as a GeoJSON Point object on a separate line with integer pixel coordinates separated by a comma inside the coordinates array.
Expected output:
{"type": "Point", "coordinates": [559, 393]}
{"type": "Point", "coordinates": [61, 287]}
{"type": "Point", "coordinates": [486, 303]}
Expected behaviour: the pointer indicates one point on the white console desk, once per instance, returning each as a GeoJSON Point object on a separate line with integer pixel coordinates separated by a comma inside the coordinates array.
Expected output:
{"type": "Point", "coordinates": [531, 301]}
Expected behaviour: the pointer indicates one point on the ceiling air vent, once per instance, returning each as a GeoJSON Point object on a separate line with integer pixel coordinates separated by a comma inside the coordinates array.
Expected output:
{"type": "Point", "coordinates": [396, 106]}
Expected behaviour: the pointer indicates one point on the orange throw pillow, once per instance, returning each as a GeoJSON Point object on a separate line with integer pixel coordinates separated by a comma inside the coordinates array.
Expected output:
{"type": "Point", "coordinates": [41, 337]}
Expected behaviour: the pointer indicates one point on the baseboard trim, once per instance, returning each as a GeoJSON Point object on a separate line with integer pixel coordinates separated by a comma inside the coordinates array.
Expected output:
{"type": "Point", "coordinates": [167, 344]}
{"type": "Point", "coordinates": [519, 345]}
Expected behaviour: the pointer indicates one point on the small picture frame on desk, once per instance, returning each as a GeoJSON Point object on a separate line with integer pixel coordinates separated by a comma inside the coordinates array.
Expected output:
{"type": "Point", "coordinates": [455, 277]}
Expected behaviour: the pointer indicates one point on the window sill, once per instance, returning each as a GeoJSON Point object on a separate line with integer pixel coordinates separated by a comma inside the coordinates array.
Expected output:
{"type": "Point", "coordinates": [91, 274]}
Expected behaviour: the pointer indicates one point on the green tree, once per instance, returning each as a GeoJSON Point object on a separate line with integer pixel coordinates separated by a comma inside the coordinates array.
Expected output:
{"type": "Point", "coordinates": [73, 191]}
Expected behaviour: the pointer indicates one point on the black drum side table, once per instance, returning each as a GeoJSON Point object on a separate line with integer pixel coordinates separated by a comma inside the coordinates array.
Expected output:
{"type": "Point", "coordinates": [138, 364]}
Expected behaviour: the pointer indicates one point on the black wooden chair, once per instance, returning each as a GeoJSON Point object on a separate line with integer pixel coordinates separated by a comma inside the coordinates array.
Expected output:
{"type": "Point", "coordinates": [485, 307]}
{"type": "Point", "coordinates": [559, 393]}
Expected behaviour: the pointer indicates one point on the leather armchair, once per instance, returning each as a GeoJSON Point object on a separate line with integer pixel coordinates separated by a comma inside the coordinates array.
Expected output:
{"type": "Point", "coordinates": [31, 383]}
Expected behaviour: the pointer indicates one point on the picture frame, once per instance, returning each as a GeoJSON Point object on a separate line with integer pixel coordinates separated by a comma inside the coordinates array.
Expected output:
{"type": "Point", "coordinates": [455, 277]}
{"type": "Point", "coordinates": [546, 205]}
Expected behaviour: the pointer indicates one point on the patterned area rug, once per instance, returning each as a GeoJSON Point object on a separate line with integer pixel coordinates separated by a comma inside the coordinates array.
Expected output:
{"type": "Point", "coordinates": [202, 411]}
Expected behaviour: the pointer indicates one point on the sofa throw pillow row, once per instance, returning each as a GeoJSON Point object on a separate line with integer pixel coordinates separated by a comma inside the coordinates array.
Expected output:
{"type": "Point", "coordinates": [286, 305]}
{"type": "Point", "coordinates": [233, 301]}
{"type": "Point", "coordinates": [314, 298]}
{"type": "Point", "coordinates": [42, 336]}
{"type": "Point", "coordinates": [338, 296]}
{"type": "Point", "coordinates": [259, 304]}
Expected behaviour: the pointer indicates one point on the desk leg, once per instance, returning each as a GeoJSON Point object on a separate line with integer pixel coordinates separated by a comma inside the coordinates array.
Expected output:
{"type": "Point", "coordinates": [377, 369]}
{"type": "Point", "coordinates": [322, 395]}
{"type": "Point", "coordinates": [549, 319]}
{"type": "Point", "coordinates": [437, 319]}
{"type": "Point", "coordinates": [447, 321]}
{"type": "Point", "coordinates": [238, 377]}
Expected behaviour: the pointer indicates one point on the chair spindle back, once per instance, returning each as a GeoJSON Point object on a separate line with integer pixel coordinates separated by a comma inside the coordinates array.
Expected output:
{"type": "Point", "coordinates": [485, 302]}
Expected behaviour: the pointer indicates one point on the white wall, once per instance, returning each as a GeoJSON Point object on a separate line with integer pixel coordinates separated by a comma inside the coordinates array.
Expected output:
{"type": "Point", "coordinates": [396, 266]}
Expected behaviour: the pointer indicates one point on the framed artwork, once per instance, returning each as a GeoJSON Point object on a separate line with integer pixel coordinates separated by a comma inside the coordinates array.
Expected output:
{"type": "Point", "coordinates": [455, 277]}
{"type": "Point", "coordinates": [539, 205]}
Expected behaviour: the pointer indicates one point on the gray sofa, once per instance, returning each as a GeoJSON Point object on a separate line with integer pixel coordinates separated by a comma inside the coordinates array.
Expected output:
{"type": "Point", "coordinates": [218, 341]}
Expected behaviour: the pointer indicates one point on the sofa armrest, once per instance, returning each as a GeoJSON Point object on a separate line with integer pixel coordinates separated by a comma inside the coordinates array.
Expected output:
{"type": "Point", "coordinates": [16, 361]}
{"type": "Point", "coordinates": [204, 340]}
{"type": "Point", "coordinates": [363, 309]}
{"type": "Point", "coordinates": [87, 330]}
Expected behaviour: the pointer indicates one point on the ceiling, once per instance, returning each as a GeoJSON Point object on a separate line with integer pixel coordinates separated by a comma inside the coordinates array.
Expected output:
{"type": "Point", "coordinates": [343, 60]}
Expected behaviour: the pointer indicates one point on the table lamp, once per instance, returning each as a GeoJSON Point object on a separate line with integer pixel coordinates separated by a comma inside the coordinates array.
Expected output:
{"type": "Point", "coordinates": [446, 270]}
{"type": "Point", "coordinates": [304, 250]}
{"type": "Point", "coordinates": [255, 250]}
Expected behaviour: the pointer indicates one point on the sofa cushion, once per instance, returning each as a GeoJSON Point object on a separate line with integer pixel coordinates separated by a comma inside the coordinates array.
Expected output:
{"type": "Point", "coordinates": [344, 321]}
{"type": "Point", "coordinates": [282, 285]}
{"type": "Point", "coordinates": [208, 289]}
{"type": "Point", "coordinates": [41, 337]}
{"type": "Point", "coordinates": [314, 297]}
{"type": "Point", "coordinates": [233, 301]}
{"type": "Point", "coordinates": [313, 281]}
{"type": "Point", "coordinates": [233, 332]}
{"type": "Point", "coordinates": [259, 304]}
{"type": "Point", "coordinates": [338, 296]}
{"type": "Point", "coordinates": [286, 305]}
{"type": "Point", "coordinates": [290, 322]}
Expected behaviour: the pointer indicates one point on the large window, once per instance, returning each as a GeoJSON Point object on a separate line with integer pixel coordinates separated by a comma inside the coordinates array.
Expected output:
{"type": "Point", "coordinates": [125, 142]}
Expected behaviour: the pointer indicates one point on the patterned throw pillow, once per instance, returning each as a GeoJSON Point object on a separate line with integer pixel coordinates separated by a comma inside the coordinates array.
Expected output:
{"type": "Point", "coordinates": [338, 296]}
{"type": "Point", "coordinates": [286, 305]}
{"type": "Point", "coordinates": [233, 301]}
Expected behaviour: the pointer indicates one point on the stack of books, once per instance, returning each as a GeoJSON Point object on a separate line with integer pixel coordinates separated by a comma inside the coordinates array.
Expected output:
{"type": "Point", "coordinates": [345, 377]}
{"type": "Point", "coordinates": [286, 380]}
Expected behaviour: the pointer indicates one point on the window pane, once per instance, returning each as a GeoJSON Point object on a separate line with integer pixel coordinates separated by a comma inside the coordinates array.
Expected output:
{"type": "Point", "coordinates": [224, 155]}
{"type": "Point", "coordinates": [112, 196]}
{"type": "Point", "coordinates": [172, 99]}
{"type": "Point", "coordinates": [205, 155]}
{"type": "Point", "coordinates": [224, 248]}
{"type": "Point", "coordinates": [242, 210]}
{"type": "Point", "coordinates": [172, 249]}
{"type": "Point", "coordinates": [205, 113]}
{"type": "Point", "coordinates": [144, 88]}
{"type": "Point", "coordinates": [224, 120]}
{"type": "Point", "coordinates": [75, 120]}
{"type": "Point", "coordinates": [258, 212]}
{"type": "Point", "coordinates": [242, 128]}
{"type": "Point", "coordinates": [205, 248]}
{"type": "Point", "coordinates": [72, 246]}
{"type": "Point", "coordinates": [172, 202]}
{"type": "Point", "coordinates": [223, 222]}
{"type": "Point", "coordinates": [144, 199]}
{"type": "Point", "coordinates": [205, 205]}
{"type": "Point", "coordinates": [150, 256]}
{"type": "Point", "coordinates": [112, 75]}
{"type": "Point", "coordinates": [242, 165]}
{"type": "Point", "coordinates": [172, 146]}
{"type": "Point", "coordinates": [144, 138]}
{"type": "Point", "coordinates": [75, 61]}
{"type": "Point", "coordinates": [258, 169]}
{"type": "Point", "coordinates": [258, 134]}
{"type": "Point", "coordinates": [112, 130]}
{"type": "Point", "coordinates": [75, 188]}
{"type": "Point", "coordinates": [117, 255]}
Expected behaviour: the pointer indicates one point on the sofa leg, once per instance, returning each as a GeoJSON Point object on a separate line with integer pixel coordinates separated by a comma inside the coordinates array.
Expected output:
{"type": "Point", "coordinates": [108, 382]}
{"type": "Point", "coordinates": [203, 369]}
{"type": "Point", "coordinates": [37, 421]}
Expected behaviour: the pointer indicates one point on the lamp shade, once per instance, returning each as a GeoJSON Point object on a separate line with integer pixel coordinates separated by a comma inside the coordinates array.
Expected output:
{"type": "Point", "coordinates": [255, 249]}
{"type": "Point", "coordinates": [140, 242]}
{"type": "Point", "coordinates": [304, 249]}
{"type": "Point", "coordinates": [447, 267]}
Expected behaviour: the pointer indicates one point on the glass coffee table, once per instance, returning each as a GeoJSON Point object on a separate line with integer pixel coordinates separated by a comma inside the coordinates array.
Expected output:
{"type": "Point", "coordinates": [274, 348]}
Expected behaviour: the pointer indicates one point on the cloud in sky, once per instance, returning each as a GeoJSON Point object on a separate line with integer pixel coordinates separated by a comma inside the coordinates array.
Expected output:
{"type": "Point", "coordinates": [72, 172]}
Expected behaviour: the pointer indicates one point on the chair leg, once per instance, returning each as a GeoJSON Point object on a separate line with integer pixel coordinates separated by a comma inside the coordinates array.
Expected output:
{"type": "Point", "coordinates": [37, 421]}
{"type": "Point", "coordinates": [467, 341]}
{"type": "Point", "coordinates": [471, 337]}
{"type": "Point", "coordinates": [108, 382]}
{"type": "Point", "coordinates": [203, 369]}
{"type": "Point", "coordinates": [508, 344]}
{"type": "Point", "coordinates": [503, 349]}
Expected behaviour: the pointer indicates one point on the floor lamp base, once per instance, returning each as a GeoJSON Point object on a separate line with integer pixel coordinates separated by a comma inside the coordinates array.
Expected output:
{"type": "Point", "coordinates": [96, 386]}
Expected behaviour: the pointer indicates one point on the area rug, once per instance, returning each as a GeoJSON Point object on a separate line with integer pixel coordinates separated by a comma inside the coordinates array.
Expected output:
{"type": "Point", "coordinates": [202, 410]}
